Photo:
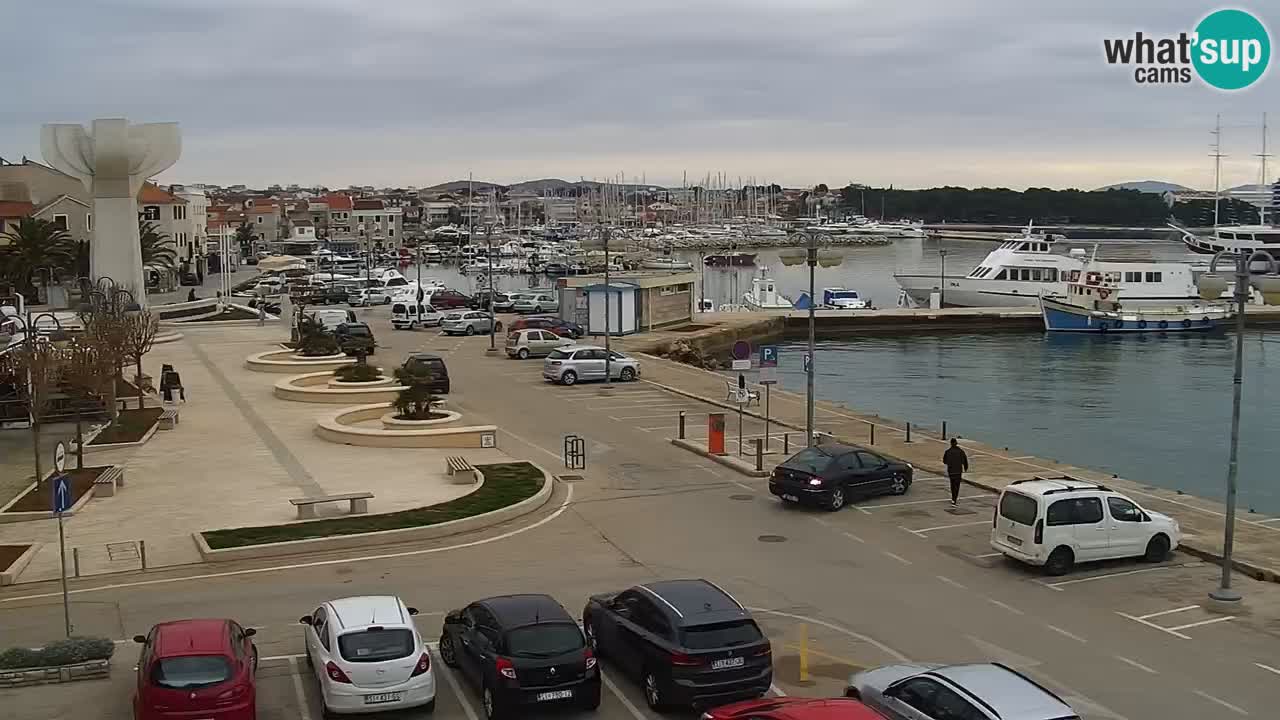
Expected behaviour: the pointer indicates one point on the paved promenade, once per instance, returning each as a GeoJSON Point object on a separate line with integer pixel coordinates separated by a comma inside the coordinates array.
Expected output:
{"type": "Point", "coordinates": [1257, 537]}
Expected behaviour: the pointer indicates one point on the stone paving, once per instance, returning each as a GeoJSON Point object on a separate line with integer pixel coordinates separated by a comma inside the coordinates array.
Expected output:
{"type": "Point", "coordinates": [236, 457]}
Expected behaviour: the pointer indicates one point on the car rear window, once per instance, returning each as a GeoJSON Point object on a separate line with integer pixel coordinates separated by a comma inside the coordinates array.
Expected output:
{"type": "Point", "coordinates": [399, 309]}
{"type": "Point", "coordinates": [559, 355]}
{"type": "Point", "coordinates": [375, 645]}
{"type": "Point", "coordinates": [1018, 508]}
{"type": "Point", "coordinates": [810, 460]}
{"type": "Point", "coordinates": [709, 637]}
{"type": "Point", "coordinates": [544, 640]}
{"type": "Point", "coordinates": [191, 671]}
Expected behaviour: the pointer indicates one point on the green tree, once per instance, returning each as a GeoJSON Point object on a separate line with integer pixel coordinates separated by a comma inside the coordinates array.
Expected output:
{"type": "Point", "coordinates": [416, 399]}
{"type": "Point", "coordinates": [244, 237]}
{"type": "Point", "coordinates": [35, 243]}
{"type": "Point", "coordinates": [157, 248]}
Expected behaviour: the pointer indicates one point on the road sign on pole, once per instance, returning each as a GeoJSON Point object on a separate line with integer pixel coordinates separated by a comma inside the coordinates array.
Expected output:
{"type": "Point", "coordinates": [741, 364]}
{"type": "Point", "coordinates": [60, 457]}
{"type": "Point", "coordinates": [768, 356]}
{"type": "Point", "coordinates": [742, 350]}
{"type": "Point", "coordinates": [808, 362]}
{"type": "Point", "coordinates": [61, 493]}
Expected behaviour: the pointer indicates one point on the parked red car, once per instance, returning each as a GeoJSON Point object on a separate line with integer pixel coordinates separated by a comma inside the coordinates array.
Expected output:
{"type": "Point", "coordinates": [196, 669]}
{"type": "Point", "coordinates": [449, 300]}
{"type": "Point", "coordinates": [563, 328]}
{"type": "Point", "coordinates": [778, 708]}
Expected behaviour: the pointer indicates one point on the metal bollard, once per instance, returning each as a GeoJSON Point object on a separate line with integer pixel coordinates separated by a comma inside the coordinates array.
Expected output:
{"type": "Point", "coordinates": [681, 424]}
{"type": "Point", "coordinates": [908, 432]}
{"type": "Point", "coordinates": [759, 454]}
{"type": "Point", "coordinates": [75, 560]}
{"type": "Point", "coordinates": [142, 550]}
{"type": "Point", "coordinates": [873, 432]}
{"type": "Point", "coordinates": [944, 429]}
{"type": "Point", "coordinates": [786, 443]}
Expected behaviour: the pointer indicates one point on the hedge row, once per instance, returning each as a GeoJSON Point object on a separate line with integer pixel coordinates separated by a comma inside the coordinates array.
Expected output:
{"type": "Point", "coordinates": [62, 652]}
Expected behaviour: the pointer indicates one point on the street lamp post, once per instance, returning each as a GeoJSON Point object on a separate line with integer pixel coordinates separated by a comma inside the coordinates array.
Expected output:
{"type": "Point", "coordinates": [488, 241]}
{"type": "Point", "coordinates": [811, 256]}
{"type": "Point", "coordinates": [942, 278]}
{"type": "Point", "coordinates": [608, 353]}
{"type": "Point", "coordinates": [1211, 286]}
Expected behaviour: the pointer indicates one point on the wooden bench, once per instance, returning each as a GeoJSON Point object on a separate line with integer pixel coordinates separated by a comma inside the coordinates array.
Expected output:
{"type": "Point", "coordinates": [731, 389]}
{"type": "Point", "coordinates": [460, 470]}
{"type": "Point", "coordinates": [169, 418]}
{"type": "Point", "coordinates": [307, 505]}
{"type": "Point", "coordinates": [106, 483]}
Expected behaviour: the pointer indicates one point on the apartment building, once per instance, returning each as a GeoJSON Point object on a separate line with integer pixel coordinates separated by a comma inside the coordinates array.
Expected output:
{"type": "Point", "coordinates": [376, 224]}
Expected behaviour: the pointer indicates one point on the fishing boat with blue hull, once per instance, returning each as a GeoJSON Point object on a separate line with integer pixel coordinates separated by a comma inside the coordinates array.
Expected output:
{"type": "Point", "coordinates": [1093, 305]}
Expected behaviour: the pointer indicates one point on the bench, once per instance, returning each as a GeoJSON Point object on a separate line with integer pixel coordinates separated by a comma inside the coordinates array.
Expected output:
{"type": "Point", "coordinates": [731, 389]}
{"type": "Point", "coordinates": [169, 418]}
{"type": "Point", "coordinates": [307, 505]}
{"type": "Point", "coordinates": [106, 483]}
{"type": "Point", "coordinates": [460, 470]}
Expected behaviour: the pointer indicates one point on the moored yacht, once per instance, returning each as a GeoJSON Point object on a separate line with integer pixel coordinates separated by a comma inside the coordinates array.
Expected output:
{"type": "Point", "coordinates": [764, 294]}
{"type": "Point", "coordinates": [1233, 238]}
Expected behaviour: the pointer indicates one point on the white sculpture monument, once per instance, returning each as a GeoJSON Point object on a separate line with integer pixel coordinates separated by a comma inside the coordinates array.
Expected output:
{"type": "Point", "coordinates": [113, 161]}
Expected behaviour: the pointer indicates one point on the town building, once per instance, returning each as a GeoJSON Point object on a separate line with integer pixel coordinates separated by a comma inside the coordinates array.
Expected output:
{"type": "Point", "coordinates": [376, 225]}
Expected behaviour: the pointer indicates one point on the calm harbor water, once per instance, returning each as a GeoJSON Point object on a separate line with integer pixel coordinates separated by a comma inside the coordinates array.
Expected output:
{"type": "Point", "coordinates": [1155, 409]}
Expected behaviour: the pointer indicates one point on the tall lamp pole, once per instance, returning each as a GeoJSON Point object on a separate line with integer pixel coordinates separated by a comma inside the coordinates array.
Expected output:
{"type": "Point", "coordinates": [811, 256]}
{"type": "Point", "coordinates": [488, 241]}
{"type": "Point", "coordinates": [942, 278]}
{"type": "Point", "coordinates": [1211, 287]}
{"type": "Point", "coordinates": [608, 354]}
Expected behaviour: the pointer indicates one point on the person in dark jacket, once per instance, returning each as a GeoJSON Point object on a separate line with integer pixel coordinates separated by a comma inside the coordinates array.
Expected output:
{"type": "Point", "coordinates": [957, 463]}
{"type": "Point", "coordinates": [191, 295]}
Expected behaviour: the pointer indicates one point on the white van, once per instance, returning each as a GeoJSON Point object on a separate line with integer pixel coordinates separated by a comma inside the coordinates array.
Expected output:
{"type": "Point", "coordinates": [1057, 522]}
{"type": "Point", "coordinates": [409, 315]}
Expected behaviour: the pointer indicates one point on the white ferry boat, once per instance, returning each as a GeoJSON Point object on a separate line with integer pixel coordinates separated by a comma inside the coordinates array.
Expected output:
{"type": "Point", "coordinates": [1021, 269]}
{"type": "Point", "coordinates": [1233, 238]}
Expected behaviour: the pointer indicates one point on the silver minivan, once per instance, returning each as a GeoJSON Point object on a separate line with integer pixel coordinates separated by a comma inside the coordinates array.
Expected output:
{"type": "Point", "coordinates": [571, 363]}
{"type": "Point", "coordinates": [532, 342]}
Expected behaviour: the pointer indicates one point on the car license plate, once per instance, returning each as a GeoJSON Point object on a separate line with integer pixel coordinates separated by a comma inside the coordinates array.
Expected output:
{"type": "Point", "coordinates": [791, 498]}
{"type": "Point", "coordinates": [381, 698]}
{"type": "Point", "coordinates": [1013, 540]}
{"type": "Point", "coordinates": [726, 663]}
{"type": "Point", "coordinates": [555, 695]}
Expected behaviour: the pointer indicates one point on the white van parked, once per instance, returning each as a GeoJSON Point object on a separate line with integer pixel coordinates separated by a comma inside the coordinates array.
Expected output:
{"type": "Point", "coordinates": [1058, 522]}
{"type": "Point", "coordinates": [410, 315]}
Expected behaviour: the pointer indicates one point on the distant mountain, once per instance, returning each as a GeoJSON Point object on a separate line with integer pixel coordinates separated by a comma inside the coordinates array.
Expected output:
{"type": "Point", "coordinates": [1148, 186]}
{"type": "Point", "coordinates": [453, 185]}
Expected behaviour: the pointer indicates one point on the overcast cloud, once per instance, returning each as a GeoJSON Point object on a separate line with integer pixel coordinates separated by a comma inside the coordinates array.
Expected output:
{"type": "Point", "coordinates": [916, 93]}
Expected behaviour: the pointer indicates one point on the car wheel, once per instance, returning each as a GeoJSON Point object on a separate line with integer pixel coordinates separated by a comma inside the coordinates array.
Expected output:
{"type": "Point", "coordinates": [537, 309]}
{"type": "Point", "coordinates": [524, 353]}
{"type": "Point", "coordinates": [836, 501]}
{"type": "Point", "coordinates": [591, 700]}
{"type": "Point", "coordinates": [1060, 561]}
{"type": "Point", "coordinates": [852, 692]}
{"type": "Point", "coordinates": [430, 707]}
{"type": "Point", "coordinates": [899, 485]}
{"type": "Point", "coordinates": [471, 329]}
{"type": "Point", "coordinates": [652, 691]}
{"type": "Point", "coordinates": [497, 327]}
{"type": "Point", "coordinates": [490, 703]}
{"type": "Point", "coordinates": [446, 651]}
{"type": "Point", "coordinates": [627, 374]}
{"type": "Point", "coordinates": [386, 301]}
{"type": "Point", "coordinates": [1157, 549]}
{"type": "Point", "coordinates": [569, 377]}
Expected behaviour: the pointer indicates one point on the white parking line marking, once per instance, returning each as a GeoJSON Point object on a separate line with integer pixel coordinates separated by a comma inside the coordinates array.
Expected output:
{"type": "Point", "coordinates": [1269, 520]}
{"type": "Point", "coordinates": [635, 712]}
{"type": "Point", "coordinates": [1161, 628]}
{"type": "Point", "coordinates": [917, 533]}
{"type": "Point", "coordinates": [304, 713]}
{"type": "Point", "coordinates": [948, 527]}
{"type": "Point", "coordinates": [290, 658]}
{"type": "Point", "coordinates": [988, 555]}
{"type": "Point", "coordinates": [853, 537]}
{"type": "Point", "coordinates": [744, 486]}
{"type": "Point", "coordinates": [1210, 621]}
{"type": "Point", "coordinates": [1268, 668]}
{"type": "Point", "coordinates": [777, 690]}
{"type": "Point", "coordinates": [650, 417]}
{"type": "Point", "coordinates": [1136, 664]}
{"type": "Point", "coordinates": [899, 558]}
{"type": "Point", "coordinates": [453, 685]}
{"type": "Point", "coordinates": [1060, 583]}
{"type": "Point", "coordinates": [950, 582]}
{"type": "Point", "coordinates": [674, 407]}
{"type": "Point", "coordinates": [1168, 612]}
{"type": "Point", "coordinates": [1060, 631]}
{"type": "Point", "coordinates": [1006, 606]}
{"type": "Point", "coordinates": [921, 502]}
{"type": "Point", "coordinates": [1221, 702]}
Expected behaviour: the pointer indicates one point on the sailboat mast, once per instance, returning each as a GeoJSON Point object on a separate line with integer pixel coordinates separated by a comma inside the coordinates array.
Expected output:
{"type": "Point", "coordinates": [1262, 182]}
{"type": "Point", "coordinates": [1217, 167]}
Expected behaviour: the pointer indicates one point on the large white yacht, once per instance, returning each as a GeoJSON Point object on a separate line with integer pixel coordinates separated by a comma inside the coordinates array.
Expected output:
{"type": "Point", "coordinates": [1233, 238]}
{"type": "Point", "coordinates": [1021, 269]}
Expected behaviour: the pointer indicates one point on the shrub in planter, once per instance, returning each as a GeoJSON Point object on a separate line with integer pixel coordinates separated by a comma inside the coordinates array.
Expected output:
{"type": "Point", "coordinates": [359, 372]}
{"type": "Point", "coordinates": [60, 652]}
{"type": "Point", "coordinates": [415, 401]}
{"type": "Point", "coordinates": [313, 339]}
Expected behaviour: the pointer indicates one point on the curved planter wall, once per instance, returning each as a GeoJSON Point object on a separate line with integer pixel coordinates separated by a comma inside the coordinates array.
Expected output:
{"type": "Point", "coordinates": [317, 387]}
{"type": "Point", "coordinates": [382, 381]}
{"type": "Point", "coordinates": [336, 427]}
{"type": "Point", "coordinates": [390, 422]}
{"type": "Point", "coordinates": [285, 361]}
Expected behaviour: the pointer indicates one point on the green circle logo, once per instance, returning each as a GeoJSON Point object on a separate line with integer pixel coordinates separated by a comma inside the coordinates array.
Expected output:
{"type": "Point", "coordinates": [1232, 49]}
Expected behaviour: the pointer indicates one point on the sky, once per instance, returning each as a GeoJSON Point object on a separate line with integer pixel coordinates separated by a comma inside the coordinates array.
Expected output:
{"type": "Point", "coordinates": [913, 93]}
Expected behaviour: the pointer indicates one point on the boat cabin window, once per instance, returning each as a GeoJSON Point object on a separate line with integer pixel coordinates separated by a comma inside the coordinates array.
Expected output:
{"type": "Point", "coordinates": [1227, 235]}
{"type": "Point", "coordinates": [1132, 277]}
{"type": "Point", "coordinates": [1111, 277]}
{"type": "Point", "coordinates": [1073, 276]}
{"type": "Point", "coordinates": [999, 276]}
{"type": "Point", "coordinates": [1154, 276]}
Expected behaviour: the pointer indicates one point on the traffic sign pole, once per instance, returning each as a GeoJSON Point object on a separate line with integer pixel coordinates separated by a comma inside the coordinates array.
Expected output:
{"type": "Point", "coordinates": [62, 503]}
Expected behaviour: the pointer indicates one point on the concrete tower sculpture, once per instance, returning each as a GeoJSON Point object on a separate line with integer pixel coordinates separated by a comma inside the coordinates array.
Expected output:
{"type": "Point", "coordinates": [113, 161]}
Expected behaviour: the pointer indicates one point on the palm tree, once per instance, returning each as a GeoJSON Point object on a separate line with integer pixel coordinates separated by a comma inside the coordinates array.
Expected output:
{"type": "Point", "coordinates": [157, 248]}
{"type": "Point", "coordinates": [34, 244]}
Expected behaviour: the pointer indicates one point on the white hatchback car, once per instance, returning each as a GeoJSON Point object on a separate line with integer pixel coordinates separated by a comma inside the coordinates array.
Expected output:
{"type": "Point", "coordinates": [367, 656]}
{"type": "Point", "coordinates": [1057, 522]}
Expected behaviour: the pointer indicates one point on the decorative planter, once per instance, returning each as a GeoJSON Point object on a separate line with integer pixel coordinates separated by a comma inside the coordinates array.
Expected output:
{"type": "Point", "coordinates": [9, 575]}
{"type": "Point", "coordinates": [87, 670]}
{"type": "Point", "coordinates": [339, 427]}
{"type": "Point", "coordinates": [288, 361]}
{"type": "Point", "coordinates": [319, 387]}
{"type": "Point", "coordinates": [390, 422]}
{"type": "Point", "coordinates": [382, 381]}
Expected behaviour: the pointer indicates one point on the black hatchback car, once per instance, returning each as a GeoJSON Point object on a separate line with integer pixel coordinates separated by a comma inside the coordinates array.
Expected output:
{"type": "Point", "coordinates": [434, 364]}
{"type": "Point", "coordinates": [830, 474]}
{"type": "Point", "coordinates": [520, 651]}
{"type": "Point", "coordinates": [355, 337]}
{"type": "Point", "coordinates": [688, 641]}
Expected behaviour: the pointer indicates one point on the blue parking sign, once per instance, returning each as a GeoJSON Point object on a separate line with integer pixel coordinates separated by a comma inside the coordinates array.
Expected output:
{"type": "Point", "coordinates": [62, 493]}
{"type": "Point", "coordinates": [768, 356]}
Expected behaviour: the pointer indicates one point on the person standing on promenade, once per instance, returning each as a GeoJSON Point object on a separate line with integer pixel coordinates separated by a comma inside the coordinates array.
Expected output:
{"type": "Point", "coordinates": [957, 463]}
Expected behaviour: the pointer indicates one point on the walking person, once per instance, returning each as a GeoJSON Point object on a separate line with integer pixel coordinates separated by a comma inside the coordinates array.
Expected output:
{"type": "Point", "coordinates": [262, 314]}
{"type": "Point", "coordinates": [957, 463]}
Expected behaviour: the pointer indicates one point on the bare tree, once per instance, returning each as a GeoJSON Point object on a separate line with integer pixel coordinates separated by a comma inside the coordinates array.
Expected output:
{"type": "Point", "coordinates": [36, 367]}
{"type": "Point", "coordinates": [107, 333]}
{"type": "Point", "coordinates": [140, 336]}
{"type": "Point", "coordinates": [87, 371]}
